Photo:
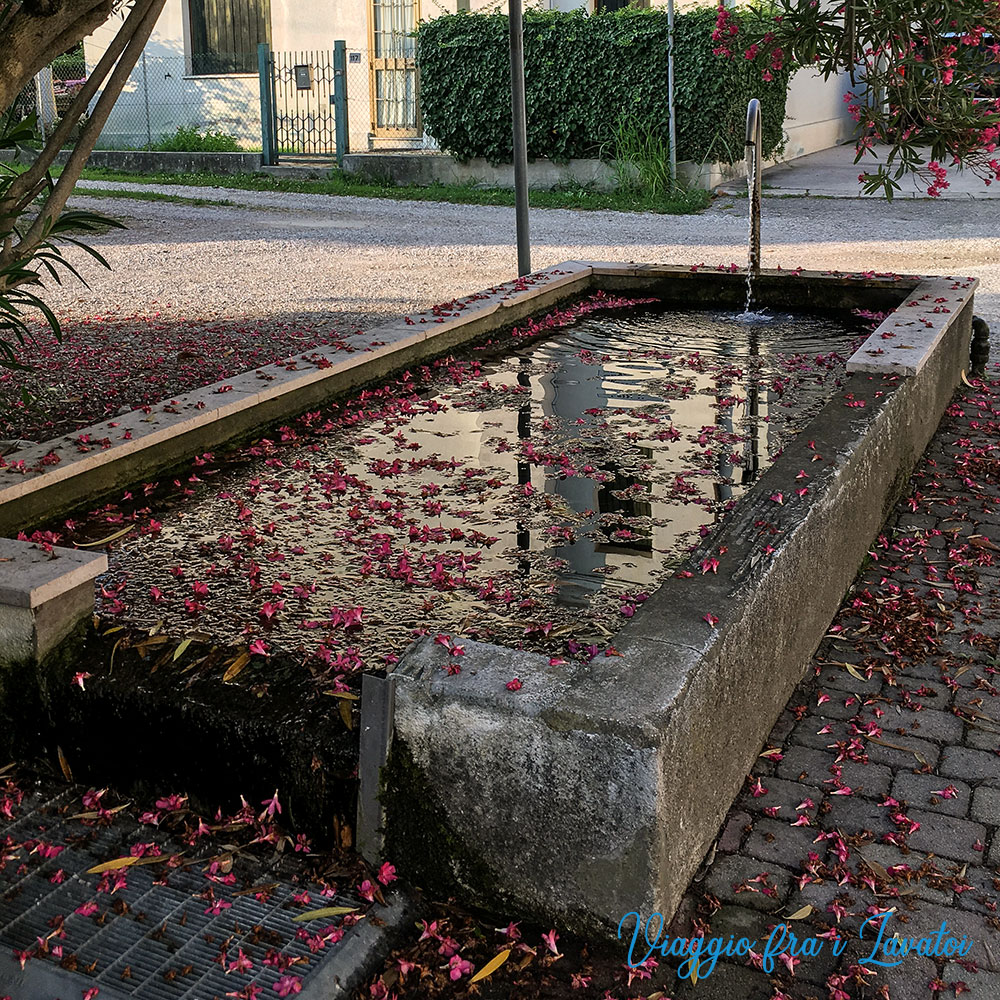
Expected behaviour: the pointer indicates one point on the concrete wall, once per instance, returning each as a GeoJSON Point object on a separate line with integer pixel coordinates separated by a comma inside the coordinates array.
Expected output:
{"type": "Point", "coordinates": [815, 113]}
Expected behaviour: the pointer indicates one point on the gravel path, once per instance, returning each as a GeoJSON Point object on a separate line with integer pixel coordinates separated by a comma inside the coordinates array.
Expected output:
{"type": "Point", "coordinates": [353, 262]}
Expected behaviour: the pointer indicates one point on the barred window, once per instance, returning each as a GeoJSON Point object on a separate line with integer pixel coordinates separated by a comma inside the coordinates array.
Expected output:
{"type": "Point", "coordinates": [225, 34]}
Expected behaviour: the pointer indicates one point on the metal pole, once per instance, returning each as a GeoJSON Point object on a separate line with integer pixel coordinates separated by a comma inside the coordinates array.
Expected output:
{"type": "Point", "coordinates": [145, 95]}
{"type": "Point", "coordinates": [670, 94]}
{"type": "Point", "coordinates": [520, 136]}
{"type": "Point", "coordinates": [263, 73]}
{"type": "Point", "coordinates": [45, 100]}
{"type": "Point", "coordinates": [340, 128]}
{"type": "Point", "coordinates": [378, 707]}
{"type": "Point", "coordinates": [39, 117]}
{"type": "Point", "coordinates": [753, 148]}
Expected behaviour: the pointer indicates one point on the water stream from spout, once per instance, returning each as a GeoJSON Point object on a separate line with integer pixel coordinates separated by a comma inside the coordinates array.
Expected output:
{"type": "Point", "coordinates": [749, 315]}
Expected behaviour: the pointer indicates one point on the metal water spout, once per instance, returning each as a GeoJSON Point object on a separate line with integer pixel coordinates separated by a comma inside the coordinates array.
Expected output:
{"type": "Point", "coordinates": [753, 157]}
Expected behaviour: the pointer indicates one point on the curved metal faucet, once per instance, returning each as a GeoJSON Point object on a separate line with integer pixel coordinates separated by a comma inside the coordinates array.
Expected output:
{"type": "Point", "coordinates": [753, 149]}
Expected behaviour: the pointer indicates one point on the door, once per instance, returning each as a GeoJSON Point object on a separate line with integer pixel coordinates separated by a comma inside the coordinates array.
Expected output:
{"type": "Point", "coordinates": [393, 62]}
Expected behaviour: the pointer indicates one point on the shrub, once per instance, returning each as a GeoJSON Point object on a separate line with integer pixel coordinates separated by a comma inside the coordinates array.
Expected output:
{"type": "Point", "coordinates": [924, 80]}
{"type": "Point", "coordinates": [190, 139]}
{"type": "Point", "coordinates": [584, 76]}
{"type": "Point", "coordinates": [70, 65]}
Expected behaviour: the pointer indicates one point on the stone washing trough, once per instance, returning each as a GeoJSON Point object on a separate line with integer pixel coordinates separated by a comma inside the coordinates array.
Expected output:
{"type": "Point", "coordinates": [595, 789]}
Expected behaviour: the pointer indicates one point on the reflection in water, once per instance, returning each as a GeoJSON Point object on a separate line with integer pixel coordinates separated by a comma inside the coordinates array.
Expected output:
{"type": "Point", "coordinates": [501, 502]}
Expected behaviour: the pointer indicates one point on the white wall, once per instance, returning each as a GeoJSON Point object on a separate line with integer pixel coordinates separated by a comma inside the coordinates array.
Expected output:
{"type": "Point", "coordinates": [160, 95]}
{"type": "Point", "coordinates": [815, 113]}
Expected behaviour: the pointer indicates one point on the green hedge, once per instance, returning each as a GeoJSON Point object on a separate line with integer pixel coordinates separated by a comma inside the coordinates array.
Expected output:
{"type": "Point", "coordinates": [582, 73]}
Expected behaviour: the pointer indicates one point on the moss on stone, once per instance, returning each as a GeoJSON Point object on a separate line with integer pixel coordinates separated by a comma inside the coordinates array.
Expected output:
{"type": "Point", "coordinates": [418, 838]}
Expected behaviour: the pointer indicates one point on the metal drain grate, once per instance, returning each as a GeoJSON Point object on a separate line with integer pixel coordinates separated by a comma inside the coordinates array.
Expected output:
{"type": "Point", "coordinates": [156, 941]}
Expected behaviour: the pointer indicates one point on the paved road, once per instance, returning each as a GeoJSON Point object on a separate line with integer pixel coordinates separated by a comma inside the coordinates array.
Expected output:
{"type": "Point", "coordinates": [832, 173]}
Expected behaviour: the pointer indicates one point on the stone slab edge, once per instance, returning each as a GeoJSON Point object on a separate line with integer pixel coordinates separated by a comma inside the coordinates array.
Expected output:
{"type": "Point", "coordinates": [906, 338]}
{"type": "Point", "coordinates": [216, 413]}
{"type": "Point", "coordinates": [30, 576]}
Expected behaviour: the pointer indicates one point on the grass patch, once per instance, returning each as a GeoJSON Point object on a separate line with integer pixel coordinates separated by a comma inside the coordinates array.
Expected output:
{"type": "Point", "coordinates": [177, 199]}
{"type": "Point", "coordinates": [573, 197]}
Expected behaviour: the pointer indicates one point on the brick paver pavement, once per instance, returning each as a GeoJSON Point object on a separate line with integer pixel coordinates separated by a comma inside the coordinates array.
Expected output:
{"type": "Point", "coordinates": [879, 787]}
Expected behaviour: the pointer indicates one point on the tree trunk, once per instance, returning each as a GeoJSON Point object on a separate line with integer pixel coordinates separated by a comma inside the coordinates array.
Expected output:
{"type": "Point", "coordinates": [35, 33]}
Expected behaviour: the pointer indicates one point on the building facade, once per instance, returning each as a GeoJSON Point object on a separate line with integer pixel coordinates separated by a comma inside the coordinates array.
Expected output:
{"type": "Point", "coordinates": [200, 70]}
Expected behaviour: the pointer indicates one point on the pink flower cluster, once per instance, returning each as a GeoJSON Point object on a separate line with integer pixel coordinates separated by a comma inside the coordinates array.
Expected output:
{"type": "Point", "coordinates": [726, 28]}
{"type": "Point", "coordinates": [939, 183]}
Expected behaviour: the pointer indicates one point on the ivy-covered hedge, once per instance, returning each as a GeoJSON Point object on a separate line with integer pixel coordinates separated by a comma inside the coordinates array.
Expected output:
{"type": "Point", "coordinates": [582, 73]}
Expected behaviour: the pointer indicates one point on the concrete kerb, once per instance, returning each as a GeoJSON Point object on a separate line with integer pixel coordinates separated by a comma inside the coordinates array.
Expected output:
{"type": "Point", "coordinates": [148, 161]}
{"type": "Point", "coordinates": [422, 168]}
{"type": "Point", "coordinates": [44, 595]}
{"type": "Point", "coordinates": [596, 790]}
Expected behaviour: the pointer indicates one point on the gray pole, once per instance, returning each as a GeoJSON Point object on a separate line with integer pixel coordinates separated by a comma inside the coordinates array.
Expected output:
{"type": "Point", "coordinates": [753, 153]}
{"type": "Point", "coordinates": [520, 136]}
{"type": "Point", "coordinates": [670, 93]}
{"type": "Point", "coordinates": [341, 127]}
{"type": "Point", "coordinates": [145, 97]}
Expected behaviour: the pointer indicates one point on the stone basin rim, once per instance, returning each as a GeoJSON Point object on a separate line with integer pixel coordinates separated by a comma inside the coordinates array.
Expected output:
{"type": "Point", "coordinates": [60, 475]}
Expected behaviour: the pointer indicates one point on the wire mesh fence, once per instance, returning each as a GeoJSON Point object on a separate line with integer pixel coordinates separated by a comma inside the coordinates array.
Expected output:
{"type": "Point", "coordinates": [166, 105]}
{"type": "Point", "coordinates": [163, 105]}
{"type": "Point", "coordinates": [51, 92]}
{"type": "Point", "coordinates": [24, 104]}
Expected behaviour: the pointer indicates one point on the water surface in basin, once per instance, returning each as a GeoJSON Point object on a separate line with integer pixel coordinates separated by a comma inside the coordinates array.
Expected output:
{"type": "Point", "coordinates": [530, 499]}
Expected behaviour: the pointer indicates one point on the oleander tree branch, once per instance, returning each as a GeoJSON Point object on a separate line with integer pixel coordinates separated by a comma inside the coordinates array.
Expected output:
{"type": "Point", "coordinates": [925, 78]}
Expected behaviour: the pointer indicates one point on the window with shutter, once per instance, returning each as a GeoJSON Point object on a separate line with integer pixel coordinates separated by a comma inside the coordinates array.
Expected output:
{"type": "Point", "coordinates": [225, 34]}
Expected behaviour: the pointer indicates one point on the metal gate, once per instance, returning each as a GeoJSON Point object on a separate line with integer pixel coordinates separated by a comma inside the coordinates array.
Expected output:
{"type": "Point", "coordinates": [303, 101]}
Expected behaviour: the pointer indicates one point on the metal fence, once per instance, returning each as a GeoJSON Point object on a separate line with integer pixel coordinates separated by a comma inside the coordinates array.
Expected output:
{"type": "Point", "coordinates": [308, 91]}
{"type": "Point", "coordinates": [162, 97]}
{"type": "Point", "coordinates": [164, 103]}
{"type": "Point", "coordinates": [303, 96]}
